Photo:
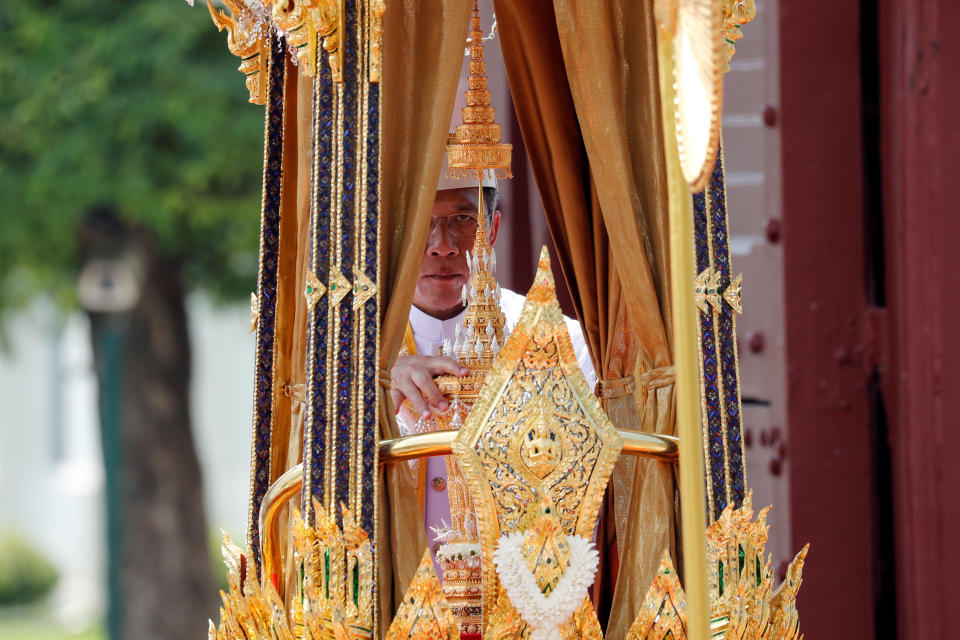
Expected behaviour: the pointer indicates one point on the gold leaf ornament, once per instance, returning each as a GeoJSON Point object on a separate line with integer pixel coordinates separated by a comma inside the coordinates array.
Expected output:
{"type": "Point", "coordinates": [247, 39]}
{"type": "Point", "coordinates": [545, 573]}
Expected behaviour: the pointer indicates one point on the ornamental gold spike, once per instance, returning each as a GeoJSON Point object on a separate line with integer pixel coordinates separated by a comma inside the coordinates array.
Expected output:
{"type": "Point", "coordinates": [741, 603]}
{"type": "Point", "coordinates": [734, 13]}
{"type": "Point", "coordinates": [478, 150]}
{"type": "Point", "coordinates": [423, 613]}
{"type": "Point", "coordinates": [246, 40]}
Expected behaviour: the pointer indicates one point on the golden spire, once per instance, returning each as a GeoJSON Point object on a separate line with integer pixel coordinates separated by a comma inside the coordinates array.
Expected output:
{"type": "Point", "coordinates": [480, 335]}
{"type": "Point", "coordinates": [478, 150]}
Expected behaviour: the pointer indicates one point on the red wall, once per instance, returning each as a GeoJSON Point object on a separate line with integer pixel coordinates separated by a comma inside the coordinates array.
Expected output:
{"type": "Point", "coordinates": [825, 302]}
{"type": "Point", "coordinates": [870, 137]}
{"type": "Point", "coordinates": [920, 92]}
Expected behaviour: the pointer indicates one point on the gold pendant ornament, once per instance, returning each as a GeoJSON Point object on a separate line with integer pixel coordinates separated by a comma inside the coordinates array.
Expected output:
{"type": "Point", "coordinates": [536, 435]}
{"type": "Point", "coordinates": [742, 606]}
{"type": "Point", "coordinates": [424, 613]}
{"type": "Point", "coordinates": [545, 573]}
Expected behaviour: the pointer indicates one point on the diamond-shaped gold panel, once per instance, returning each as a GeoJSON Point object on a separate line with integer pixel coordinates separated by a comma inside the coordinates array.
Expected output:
{"type": "Point", "coordinates": [423, 611]}
{"type": "Point", "coordinates": [733, 292]}
{"type": "Point", "coordinates": [536, 431]}
{"type": "Point", "coordinates": [706, 293]}
{"type": "Point", "coordinates": [313, 290]}
{"type": "Point", "coordinates": [338, 285]}
{"type": "Point", "coordinates": [363, 288]}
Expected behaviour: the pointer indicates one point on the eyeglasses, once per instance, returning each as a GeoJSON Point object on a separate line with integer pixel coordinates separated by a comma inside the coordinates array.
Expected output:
{"type": "Point", "coordinates": [460, 224]}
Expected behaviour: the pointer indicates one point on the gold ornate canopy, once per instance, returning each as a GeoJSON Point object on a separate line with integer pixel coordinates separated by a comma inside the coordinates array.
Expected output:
{"type": "Point", "coordinates": [357, 96]}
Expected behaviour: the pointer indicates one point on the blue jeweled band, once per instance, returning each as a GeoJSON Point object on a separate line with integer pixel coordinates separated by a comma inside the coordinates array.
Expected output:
{"type": "Point", "coordinates": [267, 290]}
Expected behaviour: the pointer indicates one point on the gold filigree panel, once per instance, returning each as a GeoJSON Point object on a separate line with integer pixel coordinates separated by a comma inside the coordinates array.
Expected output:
{"type": "Point", "coordinates": [741, 604]}
{"type": "Point", "coordinates": [334, 597]}
{"type": "Point", "coordinates": [537, 434]}
{"type": "Point", "coordinates": [424, 613]}
{"type": "Point", "coordinates": [246, 41]}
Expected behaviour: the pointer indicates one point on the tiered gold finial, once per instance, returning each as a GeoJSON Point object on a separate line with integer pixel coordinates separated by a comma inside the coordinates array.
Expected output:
{"type": "Point", "coordinates": [474, 152]}
{"type": "Point", "coordinates": [478, 150]}
{"type": "Point", "coordinates": [479, 338]}
{"type": "Point", "coordinates": [480, 335]}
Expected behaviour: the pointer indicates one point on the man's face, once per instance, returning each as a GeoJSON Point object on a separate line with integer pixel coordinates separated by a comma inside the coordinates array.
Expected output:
{"type": "Point", "coordinates": [444, 272]}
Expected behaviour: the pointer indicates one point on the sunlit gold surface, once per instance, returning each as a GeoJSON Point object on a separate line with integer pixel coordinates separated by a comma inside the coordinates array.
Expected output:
{"type": "Point", "coordinates": [537, 364]}
{"type": "Point", "coordinates": [741, 603]}
{"type": "Point", "coordinates": [694, 29]}
{"type": "Point", "coordinates": [421, 445]}
{"type": "Point", "coordinates": [334, 582]}
{"type": "Point", "coordinates": [692, 499]}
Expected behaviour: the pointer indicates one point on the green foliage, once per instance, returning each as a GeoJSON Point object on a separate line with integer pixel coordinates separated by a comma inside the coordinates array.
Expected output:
{"type": "Point", "coordinates": [25, 575]}
{"type": "Point", "coordinates": [133, 105]}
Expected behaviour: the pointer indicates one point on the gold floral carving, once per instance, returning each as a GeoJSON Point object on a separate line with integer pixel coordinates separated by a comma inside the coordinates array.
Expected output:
{"type": "Point", "coordinates": [326, 19]}
{"type": "Point", "coordinates": [741, 604]}
{"type": "Point", "coordinates": [334, 599]}
{"type": "Point", "coordinates": [535, 393]}
{"type": "Point", "coordinates": [303, 22]}
{"type": "Point", "coordinates": [313, 290]}
{"type": "Point", "coordinates": [248, 44]}
{"type": "Point", "coordinates": [423, 613]}
{"type": "Point", "coordinates": [377, 9]}
{"type": "Point", "coordinates": [706, 294]}
{"type": "Point", "coordinates": [733, 293]}
{"type": "Point", "coordinates": [734, 13]}
{"type": "Point", "coordinates": [363, 288]}
{"type": "Point", "coordinates": [662, 614]}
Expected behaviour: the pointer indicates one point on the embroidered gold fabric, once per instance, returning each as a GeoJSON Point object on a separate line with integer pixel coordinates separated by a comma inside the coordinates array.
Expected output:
{"type": "Point", "coordinates": [422, 48]}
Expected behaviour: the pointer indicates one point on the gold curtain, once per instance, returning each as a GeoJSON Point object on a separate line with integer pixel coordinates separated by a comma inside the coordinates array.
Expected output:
{"type": "Point", "coordinates": [291, 340]}
{"type": "Point", "coordinates": [422, 55]}
{"type": "Point", "coordinates": [586, 95]}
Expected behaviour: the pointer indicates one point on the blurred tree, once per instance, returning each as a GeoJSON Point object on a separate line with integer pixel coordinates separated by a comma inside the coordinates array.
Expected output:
{"type": "Point", "coordinates": [128, 152]}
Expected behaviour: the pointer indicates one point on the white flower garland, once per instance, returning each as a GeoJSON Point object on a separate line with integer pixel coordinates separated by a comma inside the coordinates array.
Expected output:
{"type": "Point", "coordinates": [545, 614]}
{"type": "Point", "coordinates": [456, 551]}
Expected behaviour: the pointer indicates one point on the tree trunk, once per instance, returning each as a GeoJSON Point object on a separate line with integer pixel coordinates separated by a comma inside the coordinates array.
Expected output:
{"type": "Point", "coordinates": [161, 581]}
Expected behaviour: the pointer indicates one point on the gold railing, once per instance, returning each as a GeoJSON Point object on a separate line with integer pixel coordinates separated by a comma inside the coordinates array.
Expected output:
{"type": "Point", "coordinates": [420, 445]}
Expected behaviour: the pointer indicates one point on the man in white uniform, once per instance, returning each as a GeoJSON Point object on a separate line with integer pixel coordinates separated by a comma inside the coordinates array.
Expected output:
{"type": "Point", "coordinates": [437, 310]}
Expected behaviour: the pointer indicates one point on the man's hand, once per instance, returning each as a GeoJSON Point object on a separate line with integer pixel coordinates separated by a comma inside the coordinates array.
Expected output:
{"type": "Point", "coordinates": [412, 378]}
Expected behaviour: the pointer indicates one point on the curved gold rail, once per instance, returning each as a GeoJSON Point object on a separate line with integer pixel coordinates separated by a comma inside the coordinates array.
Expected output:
{"type": "Point", "coordinates": [420, 445]}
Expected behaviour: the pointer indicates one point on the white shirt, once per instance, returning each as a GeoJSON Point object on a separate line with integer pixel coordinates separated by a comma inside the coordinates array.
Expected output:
{"type": "Point", "coordinates": [429, 334]}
